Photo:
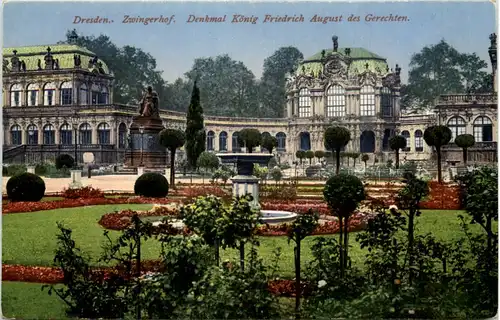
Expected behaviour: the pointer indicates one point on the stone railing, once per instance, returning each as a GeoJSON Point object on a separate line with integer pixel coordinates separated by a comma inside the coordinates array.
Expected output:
{"type": "Point", "coordinates": [478, 98]}
{"type": "Point", "coordinates": [486, 145]}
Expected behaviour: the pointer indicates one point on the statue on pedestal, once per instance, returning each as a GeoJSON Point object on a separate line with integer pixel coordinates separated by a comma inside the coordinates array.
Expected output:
{"type": "Point", "coordinates": [148, 106]}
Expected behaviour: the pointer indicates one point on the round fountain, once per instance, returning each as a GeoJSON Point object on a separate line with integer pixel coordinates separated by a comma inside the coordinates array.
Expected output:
{"type": "Point", "coordinates": [246, 183]}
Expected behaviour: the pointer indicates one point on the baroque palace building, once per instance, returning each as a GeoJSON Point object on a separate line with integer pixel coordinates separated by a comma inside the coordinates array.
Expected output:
{"type": "Point", "coordinates": [58, 99]}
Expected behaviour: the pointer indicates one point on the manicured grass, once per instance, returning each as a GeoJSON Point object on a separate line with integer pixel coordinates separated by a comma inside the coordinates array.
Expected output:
{"type": "Point", "coordinates": [30, 238]}
{"type": "Point", "coordinates": [23, 300]}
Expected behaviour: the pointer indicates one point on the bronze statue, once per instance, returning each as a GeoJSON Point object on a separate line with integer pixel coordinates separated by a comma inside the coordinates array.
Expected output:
{"type": "Point", "coordinates": [148, 106]}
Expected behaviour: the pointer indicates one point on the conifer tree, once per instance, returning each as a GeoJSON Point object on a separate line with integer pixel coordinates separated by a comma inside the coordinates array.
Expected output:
{"type": "Point", "coordinates": [195, 129]}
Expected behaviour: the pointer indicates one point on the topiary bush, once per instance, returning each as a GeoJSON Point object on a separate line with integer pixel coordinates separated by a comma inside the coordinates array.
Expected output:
{"type": "Point", "coordinates": [152, 185]}
{"type": "Point", "coordinates": [25, 187]}
{"type": "Point", "coordinates": [64, 160]}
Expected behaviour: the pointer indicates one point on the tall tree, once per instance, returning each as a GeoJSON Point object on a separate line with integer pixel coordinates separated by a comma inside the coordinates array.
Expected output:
{"type": "Point", "coordinates": [133, 68]}
{"type": "Point", "coordinates": [195, 129]}
{"type": "Point", "coordinates": [440, 69]}
{"type": "Point", "coordinates": [437, 137]}
{"type": "Point", "coordinates": [272, 84]}
{"type": "Point", "coordinates": [228, 86]}
{"type": "Point", "coordinates": [178, 95]}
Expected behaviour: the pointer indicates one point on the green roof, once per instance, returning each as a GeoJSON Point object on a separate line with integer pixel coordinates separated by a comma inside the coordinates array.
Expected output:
{"type": "Point", "coordinates": [360, 57]}
{"type": "Point", "coordinates": [356, 53]}
{"type": "Point", "coordinates": [63, 52]}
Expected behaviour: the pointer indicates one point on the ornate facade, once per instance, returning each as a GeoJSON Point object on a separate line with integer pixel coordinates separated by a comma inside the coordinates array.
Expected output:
{"type": "Point", "coordinates": [58, 99]}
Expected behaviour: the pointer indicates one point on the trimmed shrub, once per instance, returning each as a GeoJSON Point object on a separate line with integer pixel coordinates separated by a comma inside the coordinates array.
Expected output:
{"type": "Point", "coordinates": [41, 169]}
{"type": "Point", "coordinates": [25, 187]}
{"type": "Point", "coordinates": [65, 160]}
{"type": "Point", "coordinates": [151, 184]}
{"type": "Point", "coordinates": [13, 170]}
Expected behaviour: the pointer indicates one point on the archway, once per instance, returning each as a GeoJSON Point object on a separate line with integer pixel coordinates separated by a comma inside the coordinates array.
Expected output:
{"type": "Point", "coordinates": [305, 141]}
{"type": "Point", "coordinates": [367, 142]}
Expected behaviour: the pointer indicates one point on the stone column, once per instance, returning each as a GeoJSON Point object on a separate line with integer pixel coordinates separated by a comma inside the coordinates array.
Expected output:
{"type": "Point", "coordinates": [23, 94]}
{"type": "Point", "coordinates": [57, 134]}
{"type": "Point", "coordinates": [94, 134]}
{"type": "Point", "coordinates": [216, 142]}
{"type": "Point", "coordinates": [40, 94]}
{"type": "Point", "coordinates": [321, 106]}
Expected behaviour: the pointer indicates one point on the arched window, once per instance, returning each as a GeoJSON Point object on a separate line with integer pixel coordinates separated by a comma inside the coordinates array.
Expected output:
{"type": "Point", "coordinates": [367, 101]}
{"type": "Point", "coordinates": [49, 91]}
{"type": "Point", "coordinates": [49, 134]}
{"type": "Point", "coordinates": [84, 94]}
{"type": "Point", "coordinates": [16, 135]}
{"type": "Point", "coordinates": [457, 127]}
{"type": "Point", "coordinates": [94, 93]}
{"type": "Point", "coordinates": [103, 96]}
{"type": "Point", "coordinates": [15, 95]}
{"type": "Point", "coordinates": [122, 135]}
{"type": "Point", "coordinates": [305, 141]}
{"type": "Point", "coordinates": [66, 93]}
{"type": "Point", "coordinates": [235, 147]}
{"type": "Point", "coordinates": [335, 106]}
{"type": "Point", "coordinates": [386, 102]}
{"type": "Point", "coordinates": [32, 134]}
{"type": "Point", "coordinates": [66, 134]}
{"type": "Point", "coordinates": [85, 134]}
{"type": "Point", "coordinates": [304, 103]}
{"type": "Point", "coordinates": [210, 140]}
{"type": "Point", "coordinates": [223, 141]}
{"type": "Point", "coordinates": [32, 94]}
{"type": "Point", "coordinates": [281, 146]}
{"type": "Point", "coordinates": [367, 142]}
{"type": "Point", "coordinates": [406, 135]}
{"type": "Point", "coordinates": [419, 141]}
{"type": "Point", "coordinates": [103, 133]}
{"type": "Point", "coordinates": [483, 129]}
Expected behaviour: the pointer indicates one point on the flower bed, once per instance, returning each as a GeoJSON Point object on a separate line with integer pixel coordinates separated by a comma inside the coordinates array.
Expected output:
{"type": "Point", "coordinates": [16, 207]}
{"type": "Point", "coordinates": [442, 197]}
{"type": "Point", "coordinates": [53, 275]}
{"type": "Point", "coordinates": [120, 220]}
{"type": "Point", "coordinates": [82, 193]}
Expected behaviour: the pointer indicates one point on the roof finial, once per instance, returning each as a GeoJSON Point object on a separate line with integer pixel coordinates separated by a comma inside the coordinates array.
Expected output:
{"type": "Point", "coordinates": [348, 52]}
{"type": "Point", "coordinates": [335, 43]}
{"type": "Point", "coordinates": [14, 51]}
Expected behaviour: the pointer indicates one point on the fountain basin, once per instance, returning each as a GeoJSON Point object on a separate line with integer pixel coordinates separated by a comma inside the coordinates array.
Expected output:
{"type": "Point", "coordinates": [267, 217]}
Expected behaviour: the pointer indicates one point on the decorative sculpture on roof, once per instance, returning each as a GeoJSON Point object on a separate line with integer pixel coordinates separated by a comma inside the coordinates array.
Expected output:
{"type": "Point", "coordinates": [39, 64]}
{"type": "Point", "coordinates": [16, 65]}
{"type": "Point", "coordinates": [77, 60]}
{"type": "Point", "coordinates": [56, 64]}
{"type": "Point", "coordinates": [5, 66]}
{"type": "Point", "coordinates": [49, 60]}
{"type": "Point", "coordinates": [93, 62]}
{"type": "Point", "coordinates": [335, 43]}
{"type": "Point", "coordinates": [23, 66]}
{"type": "Point", "coordinates": [348, 52]}
{"type": "Point", "coordinates": [149, 104]}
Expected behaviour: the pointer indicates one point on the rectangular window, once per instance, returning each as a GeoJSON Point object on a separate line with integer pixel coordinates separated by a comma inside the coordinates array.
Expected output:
{"type": "Point", "coordinates": [66, 96]}
{"type": "Point", "coordinates": [367, 105]}
{"type": "Point", "coordinates": [17, 100]}
{"type": "Point", "coordinates": [419, 144]}
{"type": "Point", "coordinates": [95, 97]}
{"type": "Point", "coordinates": [49, 97]}
{"type": "Point", "coordinates": [102, 98]}
{"type": "Point", "coordinates": [49, 137]}
{"type": "Point", "coordinates": [335, 106]}
{"type": "Point", "coordinates": [33, 98]}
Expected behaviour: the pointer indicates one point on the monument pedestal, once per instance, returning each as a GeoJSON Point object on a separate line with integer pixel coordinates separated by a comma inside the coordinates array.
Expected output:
{"type": "Point", "coordinates": [76, 179]}
{"type": "Point", "coordinates": [145, 149]}
{"type": "Point", "coordinates": [243, 185]}
{"type": "Point", "coordinates": [30, 169]}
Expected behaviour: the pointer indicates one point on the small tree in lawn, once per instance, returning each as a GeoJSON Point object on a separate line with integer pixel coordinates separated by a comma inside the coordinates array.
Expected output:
{"type": "Point", "coordinates": [310, 155]}
{"type": "Point", "coordinates": [437, 136]}
{"type": "Point", "coordinates": [195, 129]}
{"type": "Point", "coordinates": [303, 226]}
{"type": "Point", "coordinates": [320, 154]}
{"type": "Point", "coordinates": [300, 154]}
{"type": "Point", "coordinates": [337, 138]}
{"type": "Point", "coordinates": [355, 155]}
{"type": "Point", "coordinates": [343, 193]}
{"type": "Point", "coordinates": [396, 143]}
{"type": "Point", "coordinates": [365, 157]}
{"type": "Point", "coordinates": [249, 137]}
{"type": "Point", "coordinates": [208, 161]}
{"type": "Point", "coordinates": [276, 174]}
{"type": "Point", "coordinates": [269, 142]}
{"type": "Point", "coordinates": [172, 139]}
{"type": "Point", "coordinates": [465, 141]}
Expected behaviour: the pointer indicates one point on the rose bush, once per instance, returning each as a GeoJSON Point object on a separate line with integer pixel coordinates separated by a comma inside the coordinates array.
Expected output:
{"type": "Point", "coordinates": [82, 193]}
{"type": "Point", "coordinates": [442, 197]}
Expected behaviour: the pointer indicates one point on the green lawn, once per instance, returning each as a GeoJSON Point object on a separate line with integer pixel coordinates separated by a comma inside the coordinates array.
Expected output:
{"type": "Point", "coordinates": [29, 239]}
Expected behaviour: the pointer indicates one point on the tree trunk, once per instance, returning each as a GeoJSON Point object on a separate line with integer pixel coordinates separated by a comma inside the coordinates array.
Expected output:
{"type": "Point", "coordinates": [172, 172]}
{"type": "Point", "coordinates": [217, 254]}
{"type": "Point", "coordinates": [464, 151]}
{"type": "Point", "coordinates": [242, 255]}
{"type": "Point", "coordinates": [346, 241]}
{"type": "Point", "coordinates": [397, 158]}
{"type": "Point", "coordinates": [138, 267]}
{"type": "Point", "coordinates": [337, 153]}
{"type": "Point", "coordinates": [341, 240]}
{"type": "Point", "coordinates": [410, 243]}
{"type": "Point", "coordinates": [438, 150]}
{"type": "Point", "coordinates": [297, 280]}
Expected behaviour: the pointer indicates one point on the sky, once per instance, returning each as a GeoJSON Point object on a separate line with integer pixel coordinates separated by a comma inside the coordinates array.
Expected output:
{"type": "Point", "coordinates": [466, 26]}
